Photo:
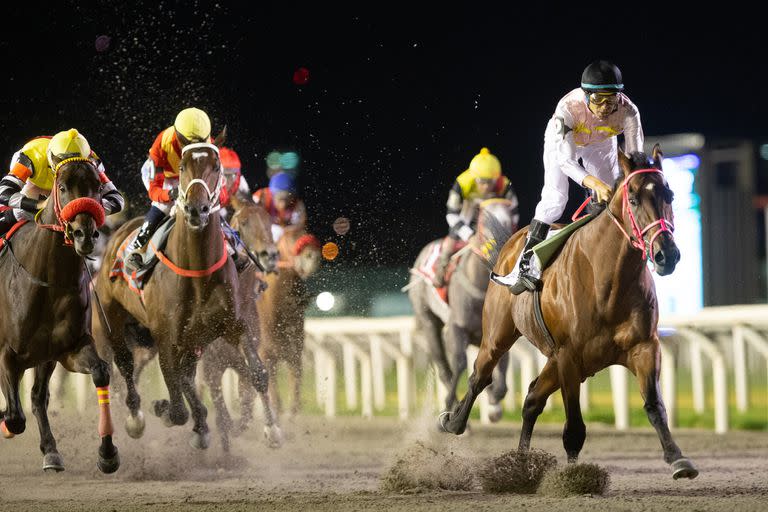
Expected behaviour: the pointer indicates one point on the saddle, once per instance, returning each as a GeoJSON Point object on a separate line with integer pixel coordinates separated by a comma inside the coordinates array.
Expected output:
{"type": "Point", "coordinates": [427, 269]}
{"type": "Point", "coordinates": [137, 279]}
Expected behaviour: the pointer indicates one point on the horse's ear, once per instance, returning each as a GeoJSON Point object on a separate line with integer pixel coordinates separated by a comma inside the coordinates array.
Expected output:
{"type": "Point", "coordinates": [624, 163]}
{"type": "Point", "coordinates": [657, 155]}
{"type": "Point", "coordinates": [221, 137]}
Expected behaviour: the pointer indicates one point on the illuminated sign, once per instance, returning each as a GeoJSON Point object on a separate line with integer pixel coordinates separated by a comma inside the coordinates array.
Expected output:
{"type": "Point", "coordinates": [682, 291]}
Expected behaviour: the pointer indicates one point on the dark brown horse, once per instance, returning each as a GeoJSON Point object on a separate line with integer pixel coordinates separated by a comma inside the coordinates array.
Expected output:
{"type": "Point", "coordinates": [599, 303]}
{"type": "Point", "coordinates": [193, 297]}
{"type": "Point", "coordinates": [281, 315]}
{"type": "Point", "coordinates": [45, 299]}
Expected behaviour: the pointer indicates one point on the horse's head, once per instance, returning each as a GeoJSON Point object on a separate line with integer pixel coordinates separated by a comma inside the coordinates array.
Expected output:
{"type": "Point", "coordinates": [200, 181]}
{"type": "Point", "coordinates": [76, 203]}
{"type": "Point", "coordinates": [305, 252]}
{"type": "Point", "coordinates": [645, 201]}
{"type": "Point", "coordinates": [254, 224]}
{"type": "Point", "coordinates": [497, 217]}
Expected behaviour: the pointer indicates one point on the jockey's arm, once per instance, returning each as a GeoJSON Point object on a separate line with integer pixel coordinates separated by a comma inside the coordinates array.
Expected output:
{"type": "Point", "coordinates": [299, 216]}
{"type": "Point", "coordinates": [633, 131]}
{"type": "Point", "coordinates": [111, 199]}
{"type": "Point", "coordinates": [566, 149]}
{"type": "Point", "coordinates": [457, 227]}
{"type": "Point", "coordinates": [12, 183]}
{"type": "Point", "coordinates": [156, 191]}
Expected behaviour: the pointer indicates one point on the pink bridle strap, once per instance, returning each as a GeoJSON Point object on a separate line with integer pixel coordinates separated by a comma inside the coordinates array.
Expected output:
{"type": "Point", "coordinates": [637, 240]}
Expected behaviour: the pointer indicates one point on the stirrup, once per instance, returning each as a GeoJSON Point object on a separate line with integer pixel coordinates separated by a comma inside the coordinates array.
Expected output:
{"type": "Point", "coordinates": [525, 283]}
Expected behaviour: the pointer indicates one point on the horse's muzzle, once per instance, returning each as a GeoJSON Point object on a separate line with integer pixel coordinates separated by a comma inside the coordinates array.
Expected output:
{"type": "Point", "coordinates": [665, 256]}
{"type": "Point", "coordinates": [196, 217]}
{"type": "Point", "coordinates": [84, 233]}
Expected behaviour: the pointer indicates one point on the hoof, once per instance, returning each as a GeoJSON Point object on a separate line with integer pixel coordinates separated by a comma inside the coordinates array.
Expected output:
{"type": "Point", "coordinates": [108, 465]}
{"type": "Point", "coordinates": [6, 433]}
{"type": "Point", "coordinates": [134, 425]}
{"type": "Point", "coordinates": [53, 463]}
{"type": "Point", "coordinates": [494, 412]}
{"type": "Point", "coordinates": [200, 441]}
{"type": "Point", "coordinates": [274, 436]}
{"type": "Point", "coordinates": [442, 421]}
{"type": "Point", "coordinates": [684, 468]}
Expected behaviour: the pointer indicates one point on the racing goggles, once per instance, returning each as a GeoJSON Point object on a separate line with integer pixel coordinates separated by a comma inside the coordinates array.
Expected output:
{"type": "Point", "coordinates": [610, 99]}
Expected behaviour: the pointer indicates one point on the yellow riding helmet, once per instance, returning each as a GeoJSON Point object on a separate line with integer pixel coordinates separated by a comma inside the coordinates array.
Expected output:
{"type": "Point", "coordinates": [193, 124]}
{"type": "Point", "coordinates": [485, 165]}
{"type": "Point", "coordinates": [67, 144]}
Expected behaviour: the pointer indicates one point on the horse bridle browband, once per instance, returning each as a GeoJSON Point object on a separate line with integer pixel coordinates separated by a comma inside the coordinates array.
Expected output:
{"type": "Point", "coordinates": [213, 196]}
{"type": "Point", "coordinates": [637, 240]}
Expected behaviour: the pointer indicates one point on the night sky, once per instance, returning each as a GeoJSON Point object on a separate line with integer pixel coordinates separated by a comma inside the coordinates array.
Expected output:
{"type": "Point", "coordinates": [398, 101]}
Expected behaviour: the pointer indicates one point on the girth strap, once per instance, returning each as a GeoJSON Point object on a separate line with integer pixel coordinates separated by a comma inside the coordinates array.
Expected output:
{"type": "Point", "coordinates": [539, 316]}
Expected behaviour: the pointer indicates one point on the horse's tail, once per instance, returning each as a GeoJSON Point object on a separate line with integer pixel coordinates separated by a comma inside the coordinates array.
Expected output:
{"type": "Point", "coordinates": [496, 235]}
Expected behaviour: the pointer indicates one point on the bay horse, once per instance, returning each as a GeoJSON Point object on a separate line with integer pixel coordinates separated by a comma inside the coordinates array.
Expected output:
{"type": "Point", "coordinates": [194, 296]}
{"type": "Point", "coordinates": [281, 316]}
{"type": "Point", "coordinates": [450, 329]}
{"type": "Point", "coordinates": [599, 304]}
{"type": "Point", "coordinates": [45, 297]}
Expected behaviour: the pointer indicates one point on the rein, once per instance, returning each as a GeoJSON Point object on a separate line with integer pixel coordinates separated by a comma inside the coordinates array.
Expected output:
{"type": "Point", "coordinates": [637, 239]}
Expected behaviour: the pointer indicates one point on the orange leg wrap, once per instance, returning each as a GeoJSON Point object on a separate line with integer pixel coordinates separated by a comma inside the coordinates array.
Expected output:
{"type": "Point", "coordinates": [106, 428]}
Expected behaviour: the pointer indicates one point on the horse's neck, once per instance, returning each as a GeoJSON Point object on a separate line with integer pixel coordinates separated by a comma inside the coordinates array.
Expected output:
{"type": "Point", "coordinates": [44, 255]}
{"type": "Point", "coordinates": [195, 250]}
{"type": "Point", "coordinates": [474, 268]}
{"type": "Point", "coordinates": [616, 265]}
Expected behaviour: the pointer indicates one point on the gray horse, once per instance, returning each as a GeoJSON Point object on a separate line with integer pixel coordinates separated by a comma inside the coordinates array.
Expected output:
{"type": "Point", "coordinates": [450, 328]}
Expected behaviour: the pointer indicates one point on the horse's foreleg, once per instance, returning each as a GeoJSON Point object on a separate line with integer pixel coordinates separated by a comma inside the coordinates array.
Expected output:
{"type": "Point", "coordinates": [52, 460]}
{"type": "Point", "coordinates": [214, 371]}
{"type": "Point", "coordinates": [171, 411]}
{"type": "Point", "coordinates": [456, 341]}
{"type": "Point", "coordinates": [295, 372]}
{"type": "Point", "coordinates": [542, 386]}
{"type": "Point", "coordinates": [574, 431]}
{"type": "Point", "coordinates": [644, 361]}
{"type": "Point", "coordinates": [86, 360]}
{"type": "Point", "coordinates": [259, 379]}
{"type": "Point", "coordinates": [499, 333]}
{"type": "Point", "coordinates": [432, 330]}
{"type": "Point", "coordinates": [12, 420]}
{"type": "Point", "coordinates": [201, 433]}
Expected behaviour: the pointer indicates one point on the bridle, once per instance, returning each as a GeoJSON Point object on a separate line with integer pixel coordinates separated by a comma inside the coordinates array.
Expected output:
{"type": "Point", "coordinates": [637, 239]}
{"type": "Point", "coordinates": [213, 195]}
{"type": "Point", "coordinates": [64, 216]}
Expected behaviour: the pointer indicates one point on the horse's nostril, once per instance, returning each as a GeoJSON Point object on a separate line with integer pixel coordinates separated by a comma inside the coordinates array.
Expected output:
{"type": "Point", "coordinates": [205, 209]}
{"type": "Point", "coordinates": [659, 258]}
{"type": "Point", "coordinates": [78, 233]}
{"type": "Point", "coordinates": [186, 208]}
{"type": "Point", "coordinates": [96, 235]}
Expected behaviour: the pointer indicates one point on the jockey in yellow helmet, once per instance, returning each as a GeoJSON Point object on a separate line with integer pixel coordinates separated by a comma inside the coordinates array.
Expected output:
{"type": "Point", "coordinates": [31, 176]}
{"type": "Point", "coordinates": [483, 180]}
{"type": "Point", "coordinates": [160, 173]}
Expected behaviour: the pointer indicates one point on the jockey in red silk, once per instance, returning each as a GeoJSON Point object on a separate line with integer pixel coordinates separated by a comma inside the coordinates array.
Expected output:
{"type": "Point", "coordinates": [31, 176]}
{"type": "Point", "coordinates": [160, 173]}
{"type": "Point", "coordinates": [483, 180]}
{"type": "Point", "coordinates": [285, 208]}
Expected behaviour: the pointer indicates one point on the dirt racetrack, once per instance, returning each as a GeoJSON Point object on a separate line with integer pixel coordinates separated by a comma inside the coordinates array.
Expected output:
{"type": "Point", "coordinates": [337, 465]}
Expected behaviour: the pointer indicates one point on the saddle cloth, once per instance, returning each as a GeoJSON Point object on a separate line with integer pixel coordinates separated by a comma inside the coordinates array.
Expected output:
{"type": "Point", "coordinates": [136, 280]}
{"type": "Point", "coordinates": [544, 253]}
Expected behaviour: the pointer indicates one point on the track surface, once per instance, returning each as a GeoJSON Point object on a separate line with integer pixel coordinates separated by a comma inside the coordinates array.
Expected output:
{"type": "Point", "coordinates": [336, 465]}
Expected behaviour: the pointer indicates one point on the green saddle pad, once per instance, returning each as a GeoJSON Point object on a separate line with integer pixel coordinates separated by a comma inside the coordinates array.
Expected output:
{"type": "Point", "coordinates": [546, 250]}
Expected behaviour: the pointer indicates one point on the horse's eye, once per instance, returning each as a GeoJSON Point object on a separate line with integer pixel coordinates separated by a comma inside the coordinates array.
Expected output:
{"type": "Point", "coordinates": [633, 200]}
{"type": "Point", "coordinates": [62, 189]}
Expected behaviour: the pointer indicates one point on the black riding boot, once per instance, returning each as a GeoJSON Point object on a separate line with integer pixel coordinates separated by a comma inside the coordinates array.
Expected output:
{"type": "Point", "coordinates": [537, 232]}
{"type": "Point", "coordinates": [134, 260]}
{"type": "Point", "coordinates": [7, 220]}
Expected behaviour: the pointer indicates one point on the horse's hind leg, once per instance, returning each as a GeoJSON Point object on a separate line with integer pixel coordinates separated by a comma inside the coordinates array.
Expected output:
{"type": "Point", "coordinates": [644, 361]}
{"type": "Point", "coordinates": [499, 333]}
{"type": "Point", "coordinates": [498, 389]}
{"type": "Point", "coordinates": [134, 423]}
{"type": "Point", "coordinates": [201, 437]}
{"type": "Point", "coordinates": [574, 431]}
{"type": "Point", "coordinates": [52, 460]}
{"type": "Point", "coordinates": [86, 360]}
{"type": "Point", "coordinates": [456, 342]}
{"type": "Point", "coordinates": [259, 378]}
{"type": "Point", "coordinates": [12, 420]}
{"type": "Point", "coordinates": [542, 386]}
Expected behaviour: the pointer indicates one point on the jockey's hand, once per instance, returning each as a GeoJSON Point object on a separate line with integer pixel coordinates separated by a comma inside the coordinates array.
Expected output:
{"type": "Point", "coordinates": [603, 191]}
{"type": "Point", "coordinates": [173, 193]}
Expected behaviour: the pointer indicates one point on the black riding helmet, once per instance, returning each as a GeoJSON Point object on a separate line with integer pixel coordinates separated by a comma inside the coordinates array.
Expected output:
{"type": "Point", "coordinates": [601, 76]}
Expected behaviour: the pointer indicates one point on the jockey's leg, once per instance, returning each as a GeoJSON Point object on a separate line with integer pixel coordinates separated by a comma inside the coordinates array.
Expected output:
{"type": "Point", "coordinates": [154, 217]}
{"type": "Point", "coordinates": [447, 248]}
{"type": "Point", "coordinates": [537, 233]}
{"type": "Point", "coordinates": [7, 220]}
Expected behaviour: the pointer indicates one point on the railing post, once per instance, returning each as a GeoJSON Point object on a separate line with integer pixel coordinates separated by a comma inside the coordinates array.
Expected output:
{"type": "Point", "coordinates": [740, 368]}
{"type": "Point", "coordinates": [620, 396]}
